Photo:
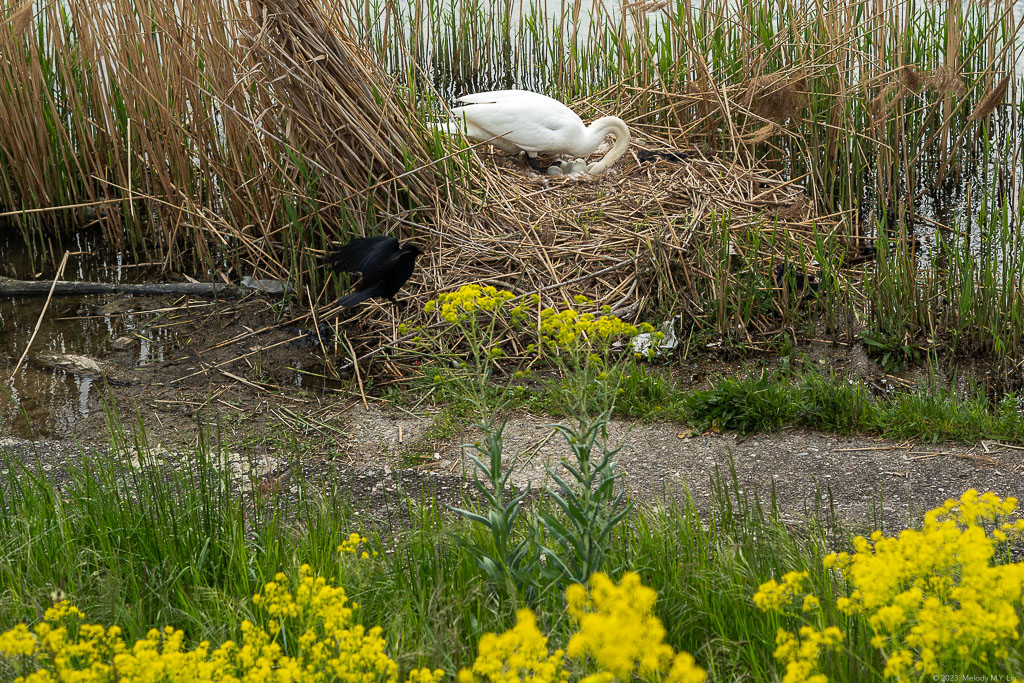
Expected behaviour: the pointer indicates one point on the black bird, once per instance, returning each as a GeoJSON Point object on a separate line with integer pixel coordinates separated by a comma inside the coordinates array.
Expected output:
{"type": "Point", "coordinates": [795, 280]}
{"type": "Point", "coordinates": [668, 155]}
{"type": "Point", "coordinates": [382, 264]}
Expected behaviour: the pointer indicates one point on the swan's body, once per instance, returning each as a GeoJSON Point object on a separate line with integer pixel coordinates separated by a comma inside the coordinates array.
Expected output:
{"type": "Point", "coordinates": [518, 121]}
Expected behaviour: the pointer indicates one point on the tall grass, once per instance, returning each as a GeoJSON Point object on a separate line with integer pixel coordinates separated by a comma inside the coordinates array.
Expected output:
{"type": "Point", "coordinates": [212, 134]}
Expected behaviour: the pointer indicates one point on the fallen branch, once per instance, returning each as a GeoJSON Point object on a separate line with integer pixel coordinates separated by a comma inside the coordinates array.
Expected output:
{"type": "Point", "coordinates": [12, 288]}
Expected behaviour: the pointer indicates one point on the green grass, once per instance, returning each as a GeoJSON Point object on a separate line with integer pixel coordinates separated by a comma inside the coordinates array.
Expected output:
{"type": "Point", "coordinates": [145, 546]}
{"type": "Point", "coordinates": [834, 403]}
{"type": "Point", "coordinates": [133, 541]}
{"type": "Point", "coordinates": [757, 401]}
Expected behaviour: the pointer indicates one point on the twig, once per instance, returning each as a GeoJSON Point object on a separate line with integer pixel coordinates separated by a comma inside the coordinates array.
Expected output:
{"type": "Point", "coordinates": [355, 366]}
{"type": "Point", "coordinates": [218, 366]}
{"type": "Point", "coordinates": [42, 314]}
{"type": "Point", "coordinates": [12, 288]}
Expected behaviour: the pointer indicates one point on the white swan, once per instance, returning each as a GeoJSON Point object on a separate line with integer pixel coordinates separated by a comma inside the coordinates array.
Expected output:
{"type": "Point", "coordinates": [522, 121]}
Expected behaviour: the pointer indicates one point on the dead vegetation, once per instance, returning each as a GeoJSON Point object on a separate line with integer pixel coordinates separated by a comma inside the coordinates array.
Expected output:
{"type": "Point", "coordinates": [198, 131]}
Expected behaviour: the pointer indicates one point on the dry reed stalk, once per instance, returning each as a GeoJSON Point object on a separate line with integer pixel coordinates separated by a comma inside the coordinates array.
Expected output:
{"type": "Point", "coordinates": [20, 18]}
{"type": "Point", "coordinates": [946, 80]}
{"type": "Point", "coordinates": [343, 111]}
{"type": "Point", "coordinates": [777, 96]}
{"type": "Point", "coordinates": [219, 129]}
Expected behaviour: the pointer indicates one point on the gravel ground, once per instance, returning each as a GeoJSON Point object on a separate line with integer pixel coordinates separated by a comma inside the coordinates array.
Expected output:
{"type": "Point", "coordinates": [862, 476]}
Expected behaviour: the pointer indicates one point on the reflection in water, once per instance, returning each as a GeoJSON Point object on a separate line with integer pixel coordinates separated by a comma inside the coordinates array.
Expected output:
{"type": "Point", "coordinates": [84, 384]}
{"type": "Point", "coordinates": [43, 401]}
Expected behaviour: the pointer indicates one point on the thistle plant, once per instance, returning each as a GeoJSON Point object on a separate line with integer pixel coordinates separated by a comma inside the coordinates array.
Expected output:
{"type": "Point", "coordinates": [479, 318]}
{"type": "Point", "coordinates": [505, 559]}
{"type": "Point", "coordinates": [590, 501]}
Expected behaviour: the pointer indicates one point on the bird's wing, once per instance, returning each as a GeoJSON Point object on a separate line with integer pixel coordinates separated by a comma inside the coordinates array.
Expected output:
{"type": "Point", "coordinates": [530, 121]}
{"type": "Point", "coordinates": [364, 255]}
{"type": "Point", "coordinates": [500, 95]}
{"type": "Point", "coordinates": [380, 268]}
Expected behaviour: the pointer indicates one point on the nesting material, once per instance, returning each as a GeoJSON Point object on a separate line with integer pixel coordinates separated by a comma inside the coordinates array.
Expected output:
{"type": "Point", "coordinates": [620, 239]}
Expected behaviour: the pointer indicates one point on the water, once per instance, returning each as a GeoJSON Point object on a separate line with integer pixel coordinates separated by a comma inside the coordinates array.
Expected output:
{"type": "Point", "coordinates": [42, 401]}
{"type": "Point", "coordinates": [143, 342]}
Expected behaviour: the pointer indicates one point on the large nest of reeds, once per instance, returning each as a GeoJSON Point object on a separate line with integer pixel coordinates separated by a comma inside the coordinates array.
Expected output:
{"type": "Point", "coordinates": [651, 234]}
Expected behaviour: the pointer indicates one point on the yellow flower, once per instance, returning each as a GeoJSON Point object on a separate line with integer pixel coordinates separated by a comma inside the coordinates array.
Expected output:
{"type": "Point", "coordinates": [930, 596]}
{"type": "Point", "coordinates": [18, 641]}
{"type": "Point", "coordinates": [618, 630]}
{"type": "Point", "coordinates": [685, 670]}
{"type": "Point", "coordinates": [463, 303]}
{"type": "Point", "coordinates": [351, 544]}
{"type": "Point", "coordinates": [568, 330]}
{"type": "Point", "coordinates": [774, 596]}
{"type": "Point", "coordinates": [517, 655]}
{"type": "Point", "coordinates": [425, 675]}
{"type": "Point", "coordinates": [326, 645]}
{"type": "Point", "coordinates": [810, 604]}
{"type": "Point", "coordinates": [800, 652]}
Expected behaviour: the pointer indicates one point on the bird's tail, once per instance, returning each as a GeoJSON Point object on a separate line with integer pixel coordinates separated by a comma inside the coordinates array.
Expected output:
{"type": "Point", "coordinates": [353, 299]}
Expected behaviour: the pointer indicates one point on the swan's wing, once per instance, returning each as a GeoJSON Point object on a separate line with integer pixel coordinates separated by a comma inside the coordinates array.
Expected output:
{"type": "Point", "coordinates": [534, 124]}
{"type": "Point", "coordinates": [501, 95]}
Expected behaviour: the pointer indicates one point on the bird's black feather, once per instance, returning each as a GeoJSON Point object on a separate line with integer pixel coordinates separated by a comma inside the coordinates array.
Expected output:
{"type": "Point", "coordinates": [361, 255]}
{"type": "Point", "coordinates": [795, 280]}
{"type": "Point", "coordinates": [384, 267]}
{"type": "Point", "coordinates": [669, 155]}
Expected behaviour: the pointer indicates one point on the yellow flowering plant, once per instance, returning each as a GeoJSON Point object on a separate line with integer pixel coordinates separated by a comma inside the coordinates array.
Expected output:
{"type": "Point", "coordinates": [354, 545]}
{"type": "Point", "coordinates": [485, 315]}
{"type": "Point", "coordinates": [484, 318]}
{"type": "Point", "coordinates": [618, 638]}
{"type": "Point", "coordinates": [799, 651]}
{"type": "Point", "coordinates": [940, 598]}
{"type": "Point", "coordinates": [517, 655]}
{"type": "Point", "coordinates": [308, 633]}
{"type": "Point", "coordinates": [590, 500]}
{"type": "Point", "coordinates": [619, 632]}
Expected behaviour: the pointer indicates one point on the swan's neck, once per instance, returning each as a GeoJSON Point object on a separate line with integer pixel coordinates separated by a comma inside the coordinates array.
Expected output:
{"type": "Point", "coordinates": [596, 133]}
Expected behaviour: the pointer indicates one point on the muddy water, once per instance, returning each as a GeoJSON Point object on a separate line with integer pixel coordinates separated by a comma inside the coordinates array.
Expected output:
{"type": "Point", "coordinates": [42, 401]}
